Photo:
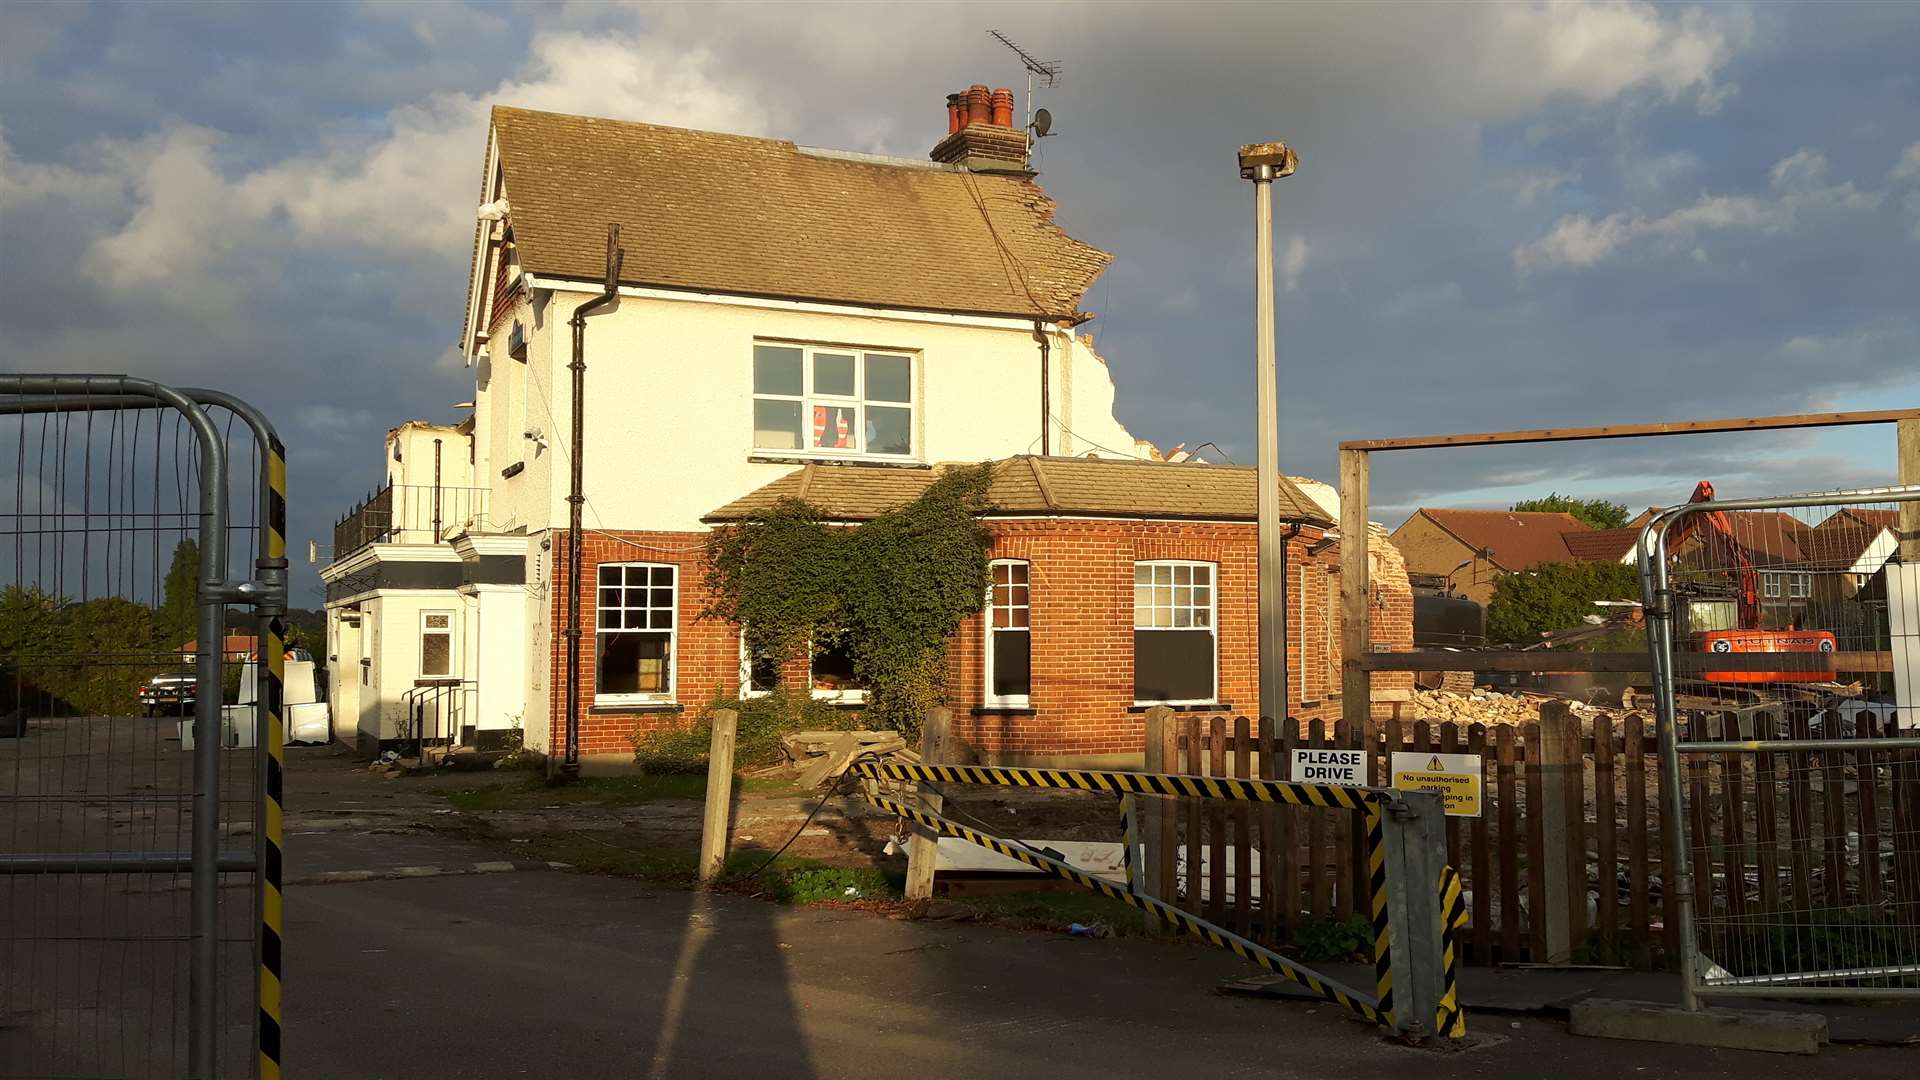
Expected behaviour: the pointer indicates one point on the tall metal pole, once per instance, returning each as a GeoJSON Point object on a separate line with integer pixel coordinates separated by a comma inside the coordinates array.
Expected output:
{"type": "Point", "coordinates": [1263, 163]}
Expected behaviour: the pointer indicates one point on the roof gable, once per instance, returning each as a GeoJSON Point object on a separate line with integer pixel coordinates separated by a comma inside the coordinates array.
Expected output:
{"type": "Point", "coordinates": [734, 214]}
{"type": "Point", "coordinates": [1520, 539]}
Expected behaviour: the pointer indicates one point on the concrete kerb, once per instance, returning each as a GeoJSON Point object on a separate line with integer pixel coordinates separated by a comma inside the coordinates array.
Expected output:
{"type": "Point", "coordinates": [1732, 1029]}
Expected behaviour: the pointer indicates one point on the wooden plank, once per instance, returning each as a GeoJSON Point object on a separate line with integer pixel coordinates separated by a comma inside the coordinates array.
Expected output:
{"type": "Point", "coordinates": [935, 733]}
{"type": "Point", "coordinates": [1356, 884]}
{"type": "Point", "coordinates": [1907, 450]}
{"type": "Point", "coordinates": [1833, 821]}
{"type": "Point", "coordinates": [1698, 809]}
{"type": "Point", "coordinates": [1669, 830]}
{"type": "Point", "coordinates": [1480, 875]}
{"type": "Point", "coordinates": [1276, 856]}
{"type": "Point", "coordinates": [1800, 814]}
{"type": "Point", "coordinates": [1733, 791]}
{"type": "Point", "coordinates": [1573, 792]}
{"type": "Point", "coordinates": [1356, 595]}
{"type": "Point", "coordinates": [1904, 770]}
{"type": "Point", "coordinates": [1573, 661]}
{"type": "Point", "coordinates": [1509, 846]}
{"type": "Point", "coordinates": [1340, 833]}
{"type": "Point", "coordinates": [1538, 901]}
{"type": "Point", "coordinates": [1633, 754]}
{"type": "Point", "coordinates": [1450, 744]}
{"type": "Point", "coordinates": [1191, 764]}
{"type": "Point", "coordinates": [1150, 818]}
{"type": "Point", "coordinates": [1218, 848]}
{"type": "Point", "coordinates": [1169, 871]}
{"type": "Point", "coordinates": [1867, 783]}
{"type": "Point", "coordinates": [717, 819]}
{"type": "Point", "coordinates": [1635, 431]}
{"type": "Point", "coordinates": [1321, 883]}
{"type": "Point", "coordinates": [835, 761]}
{"type": "Point", "coordinates": [1766, 822]}
{"type": "Point", "coordinates": [1606, 823]}
{"type": "Point", "coordinates": [1242, 814]}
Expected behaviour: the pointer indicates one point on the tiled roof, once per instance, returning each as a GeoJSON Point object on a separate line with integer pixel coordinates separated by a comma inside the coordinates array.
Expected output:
{"type": "Point", "coordinates": [1519, 539]}
{"type": "Point", "coordinates": [1039, 485]}
{"type": "Point", "coordinates": [734, 214]}
{"type": "Point", "coordinates": [1601, 545]}
{"type": "Point", "coordinates": [1837, 546]}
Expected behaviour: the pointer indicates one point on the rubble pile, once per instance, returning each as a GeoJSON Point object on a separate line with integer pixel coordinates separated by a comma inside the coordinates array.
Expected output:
{"type": "Point", "coordinates": [1487, 707]}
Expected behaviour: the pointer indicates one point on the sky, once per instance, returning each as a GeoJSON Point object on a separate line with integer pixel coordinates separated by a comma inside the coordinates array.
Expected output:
{"type": "Point", "coordinates": [1506, 215]}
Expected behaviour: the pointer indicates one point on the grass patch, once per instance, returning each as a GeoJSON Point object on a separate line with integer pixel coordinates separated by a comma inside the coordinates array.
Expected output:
{"type": "Point", "coordinates": [533, 792]}
{"type": "Point", "coordinates": [1056, 911]}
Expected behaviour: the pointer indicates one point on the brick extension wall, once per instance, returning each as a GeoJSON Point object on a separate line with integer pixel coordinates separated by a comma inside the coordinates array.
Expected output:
{"type": "Point", "coordinates": [1081, 575]}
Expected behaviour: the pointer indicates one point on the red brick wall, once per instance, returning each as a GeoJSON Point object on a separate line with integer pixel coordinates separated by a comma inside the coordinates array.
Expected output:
{"type": "Point", "coordinates": [1081, 580]}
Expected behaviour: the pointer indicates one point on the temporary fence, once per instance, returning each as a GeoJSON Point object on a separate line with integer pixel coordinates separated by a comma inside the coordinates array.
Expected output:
{"type": "Point", "coordinates": [1407, 894]}
{"type": "Point", "coordinates": [1786, 646]}
{"type": "Point", "coordinates": [125, 804]}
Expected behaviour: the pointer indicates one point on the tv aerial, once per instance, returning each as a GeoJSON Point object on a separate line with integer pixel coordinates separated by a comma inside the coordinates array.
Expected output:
{"type": "Point", "coordinates": [1039, 121]}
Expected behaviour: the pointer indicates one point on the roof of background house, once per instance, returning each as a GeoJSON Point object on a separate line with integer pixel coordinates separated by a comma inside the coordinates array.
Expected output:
{"type": "Point", "coordinates": [1853, 515]}
{"type": "Point", "coordinates": [734, 214]}
{"type": "Point", "coordinates": [1838, 547]}
{"type": "Point", "coordinates": [1030, 484]}
{"type": "Point", "coordinates": [229, 645]}
{"type": "Point", "coordinates": [1601, 545]}
{"type": "Point", "coordinates": [1519, 539]}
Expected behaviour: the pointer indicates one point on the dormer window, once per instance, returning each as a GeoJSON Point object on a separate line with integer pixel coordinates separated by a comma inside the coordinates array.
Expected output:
{"type": "Point", "coordinates": [517, 342]}
{"type": "Point", "coordinates": [832, 401]}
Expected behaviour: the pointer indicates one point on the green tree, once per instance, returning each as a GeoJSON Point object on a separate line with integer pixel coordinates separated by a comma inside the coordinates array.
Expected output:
{"type": "Point", "coordinates": [1554, 596]}
{"type": "Point", "coordinates": [30, 632]}
{"type": "Point", "coordinates": [179, 607]}
{"type": "Point", "coordinates": [108, 647]}
{"type": "Point", "coordinates": [1599, 513]}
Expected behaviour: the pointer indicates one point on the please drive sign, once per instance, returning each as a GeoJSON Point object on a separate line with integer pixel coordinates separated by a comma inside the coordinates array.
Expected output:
{"type": "Point", "coordinates": [1341, 768]}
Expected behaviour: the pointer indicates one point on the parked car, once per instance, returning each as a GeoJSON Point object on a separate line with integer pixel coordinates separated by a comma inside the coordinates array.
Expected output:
{"type": "Point", "coordinates": [169, 694]}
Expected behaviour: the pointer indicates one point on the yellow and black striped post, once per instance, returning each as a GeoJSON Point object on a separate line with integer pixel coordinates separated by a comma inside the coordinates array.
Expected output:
{"type": "Point", "coordinates": [1382, 921]}
{"type": "Point", "coordinates": [1133, 783]}
{"type": "Point", "coordinates": [273, 741]}
{"type": "Point", "coordinates": [1450, 1019]}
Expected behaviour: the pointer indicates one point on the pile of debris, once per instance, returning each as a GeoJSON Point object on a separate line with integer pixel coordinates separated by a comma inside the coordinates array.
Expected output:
{"type": "Point", "coordinates": [826, 755]}
{"type": "Point", "coordinates": [1488, 707]}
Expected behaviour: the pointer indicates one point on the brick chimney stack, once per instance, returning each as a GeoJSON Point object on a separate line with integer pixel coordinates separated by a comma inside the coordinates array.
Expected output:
{"type": "Point", "coordinates": [980, 132]}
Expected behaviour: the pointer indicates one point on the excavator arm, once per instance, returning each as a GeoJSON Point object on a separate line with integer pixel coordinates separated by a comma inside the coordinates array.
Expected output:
{"type": "Point", "coordinates": [1716, 532]}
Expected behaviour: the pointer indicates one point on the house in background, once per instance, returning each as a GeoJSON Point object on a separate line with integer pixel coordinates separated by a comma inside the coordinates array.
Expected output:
{"type": "Point", "coordinates": [829, 324]}
{"type": "Point", "coordinates": [1470, 549]}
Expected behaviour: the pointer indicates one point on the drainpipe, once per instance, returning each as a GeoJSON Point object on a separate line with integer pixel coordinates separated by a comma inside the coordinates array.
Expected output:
{"type": "Point", "coordinates": [1046, 388]}
{"type": "Point", "coordinates": [576, 497]}
{"type": "Point", "coordinates": [1286, 542]}
{"type": "Point", "coordinates": [436, 491]}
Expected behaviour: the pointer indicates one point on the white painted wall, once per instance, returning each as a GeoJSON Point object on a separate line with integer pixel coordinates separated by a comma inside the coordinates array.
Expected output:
{"type": "Point", "coordinates": [390, 631]}
{"type": "Point", "coordinates": [343, 674]}
{"type": "Point", "coordinates": [496, 652]}
{"type": "Point", "coordinates": [536, 665]}
{"type": "Point", "coordinates": [669, 411]}
{"type": "Point", "coordinates": [414, 465]}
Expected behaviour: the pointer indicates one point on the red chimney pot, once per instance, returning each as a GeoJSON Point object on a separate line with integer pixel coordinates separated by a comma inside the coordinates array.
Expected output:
{"type": "Point", "coordinates": [953, 114]}
{"type": "Point", "coordinates": [1003, 107]}
{"type": "Point", "coordinates": [979, 104]}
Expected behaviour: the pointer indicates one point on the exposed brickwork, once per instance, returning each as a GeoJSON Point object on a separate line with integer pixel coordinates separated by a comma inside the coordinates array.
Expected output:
{"type": "Point", "coordinates": [1081, 574]}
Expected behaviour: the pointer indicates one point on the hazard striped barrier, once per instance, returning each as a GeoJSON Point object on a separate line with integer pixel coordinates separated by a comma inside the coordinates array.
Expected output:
{"type": "Point", "coordinates": [1450, 1020]}
{"type": "Point", "coordinates": [1134, 783]}
{"type": "Point", "coordinates": [1382, 923]}
{"type": "Point", "coordinates": [1352, 1000]}
{"type": "Point", "coordinates": [272, 922]}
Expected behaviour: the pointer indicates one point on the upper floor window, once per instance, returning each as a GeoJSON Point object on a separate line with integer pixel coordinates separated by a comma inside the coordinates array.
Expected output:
{"type": "Point", "coordinates": [832, 401]}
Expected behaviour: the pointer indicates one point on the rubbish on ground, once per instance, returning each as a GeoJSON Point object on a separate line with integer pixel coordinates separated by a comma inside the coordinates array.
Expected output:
{"type": "Point", "coordinates": [1089, 930]}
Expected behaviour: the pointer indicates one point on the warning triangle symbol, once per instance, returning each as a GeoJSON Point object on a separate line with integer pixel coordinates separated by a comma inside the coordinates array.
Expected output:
{"type": "Point", "coordinates": [1435, 766]}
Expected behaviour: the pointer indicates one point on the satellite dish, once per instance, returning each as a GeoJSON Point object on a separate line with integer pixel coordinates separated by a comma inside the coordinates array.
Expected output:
{"type": "Point", "coordinates": [1042, 123]}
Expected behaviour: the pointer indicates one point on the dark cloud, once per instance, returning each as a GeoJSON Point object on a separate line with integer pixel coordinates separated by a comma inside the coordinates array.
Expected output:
{"type": "Point", "coordinates": [1436, 142]}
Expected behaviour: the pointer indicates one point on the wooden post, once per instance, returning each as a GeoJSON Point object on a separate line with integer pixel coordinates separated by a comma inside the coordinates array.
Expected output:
{"type": "Point", "coordinates": [920, 848]}
{"type": "Point", "coordinates": [1907, 436]}
{"type": "Point", "coordinates": [714, 827]}
{"type": "Point", "coordinates": [1560, 795]}
{"type": "Point", "coordinates": [1356, 592]}
{"type": "Point", "coordinates": [1148, 821]}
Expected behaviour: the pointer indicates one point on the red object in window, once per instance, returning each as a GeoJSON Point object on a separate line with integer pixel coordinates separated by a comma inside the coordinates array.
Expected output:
{"type": "Point", "coordinates": [840, 419]}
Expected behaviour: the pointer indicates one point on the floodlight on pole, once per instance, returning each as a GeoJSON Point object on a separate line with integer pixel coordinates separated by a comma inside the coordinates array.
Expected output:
{"type": "Point", "coordinates": [1263, 163]}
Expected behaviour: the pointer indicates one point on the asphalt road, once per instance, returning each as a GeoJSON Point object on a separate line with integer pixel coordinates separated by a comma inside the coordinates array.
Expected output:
{"type": "Point", "coordinates": [552, 974]}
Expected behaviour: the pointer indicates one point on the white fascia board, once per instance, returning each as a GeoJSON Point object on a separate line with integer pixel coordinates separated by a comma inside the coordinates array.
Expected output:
{"type": "Point", "coordinates": [467, 546]}
{"type": "Point", "coordinates": [989, 322]}
{"type": "Point", "coordinates": [377, 553]}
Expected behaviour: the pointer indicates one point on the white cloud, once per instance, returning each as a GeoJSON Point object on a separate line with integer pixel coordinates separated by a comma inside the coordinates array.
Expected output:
{"type": "Point", "coordinates": [408, 191]}
{"type": "Point", "coordinates": [1798, 183]}
{"type": "Point", "coordinates": [1600, 50]}
{"type": "Point", "coordinates": [1908, 168]}
{"type": "Point", "coordinates": [1293, 261]}
{"type": "Point", "coordinates": [1528, 187]}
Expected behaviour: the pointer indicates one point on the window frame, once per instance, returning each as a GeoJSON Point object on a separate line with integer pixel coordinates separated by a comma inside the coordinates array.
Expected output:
{"type": "Point", "coordinates": [421, 666]}
{"type": "Point", "coordinates": [1770, 586]}
{"type": "Point", "coordinates": [987, 696]}
{"type": "Point", "coordinates": [852, 696]}
{"type": "Point", "coordinates": [669, 695]}
{"type": "Point", "coordinates": [809, 399]}
{"type": "Point", "coordinates": [1212, 628]}
{"type": "Point", "coordinates": [747, 690]}
{"type": "Point", "coordinates": [1799, 585]}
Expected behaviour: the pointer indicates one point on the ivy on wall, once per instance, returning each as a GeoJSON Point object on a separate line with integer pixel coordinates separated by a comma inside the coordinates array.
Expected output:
{"type": "Point", "coordinates": [890, 591]}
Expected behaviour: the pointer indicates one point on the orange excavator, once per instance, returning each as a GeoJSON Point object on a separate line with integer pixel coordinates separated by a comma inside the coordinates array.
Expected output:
{"type": "Point", "coordinates": [1724, 549]}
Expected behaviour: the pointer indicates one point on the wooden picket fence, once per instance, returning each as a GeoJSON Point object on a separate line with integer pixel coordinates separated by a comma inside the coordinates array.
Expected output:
{"type": "Point", "coordinates": [1608, 831]}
